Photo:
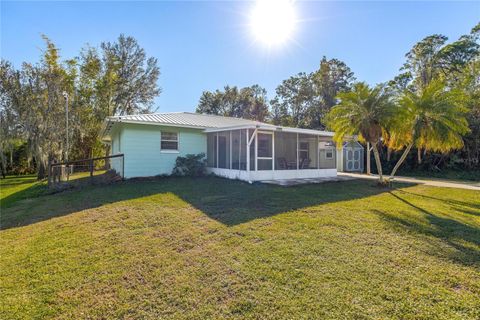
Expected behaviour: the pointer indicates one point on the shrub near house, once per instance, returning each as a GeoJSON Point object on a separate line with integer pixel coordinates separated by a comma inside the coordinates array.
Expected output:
{"type": "Point", "coordinates": [192, 165]}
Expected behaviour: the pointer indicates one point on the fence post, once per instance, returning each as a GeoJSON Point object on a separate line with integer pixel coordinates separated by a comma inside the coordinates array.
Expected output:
{"type": "Point", "coordinates": [91, 170]}
{"type": "Point", "coordinates": [123, 167]}
{"type": "Point", "coordinates": [49, 173]}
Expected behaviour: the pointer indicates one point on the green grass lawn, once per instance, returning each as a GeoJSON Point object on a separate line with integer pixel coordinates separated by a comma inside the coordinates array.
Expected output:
{"type": "Point", "coordinates": [455, 175]}
{"type": "Point", "coordinates": [211, 248]}
{"type": "Point", "coordinates": [15, 188]}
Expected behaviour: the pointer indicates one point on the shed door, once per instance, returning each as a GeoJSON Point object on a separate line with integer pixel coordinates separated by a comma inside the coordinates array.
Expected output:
{"type": "Point", "coordinates": [356, 159]}
{"type": "Point", "coordinates": [353, 159]}
{"type": "Point", "coordinates": [349, 159]}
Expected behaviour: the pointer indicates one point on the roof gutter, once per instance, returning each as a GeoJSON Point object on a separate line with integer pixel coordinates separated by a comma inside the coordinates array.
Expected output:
{"type": "Point", "coordinates": [245, 126]}
{"type": "Point", "coordinates": [272, 128]}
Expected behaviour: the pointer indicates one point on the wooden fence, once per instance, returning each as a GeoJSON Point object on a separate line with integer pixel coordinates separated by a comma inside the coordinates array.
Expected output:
{"type": "Point", "coordinates": [92, 170]}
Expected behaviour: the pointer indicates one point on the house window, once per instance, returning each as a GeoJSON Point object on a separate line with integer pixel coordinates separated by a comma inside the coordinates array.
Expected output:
{"type": "Point", "coordinates": [329, 154]}
{"type": "Point", "coordinates": [169, 141]}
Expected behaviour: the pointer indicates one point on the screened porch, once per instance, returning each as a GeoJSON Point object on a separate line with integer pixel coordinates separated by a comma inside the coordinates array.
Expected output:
{"type": "Point", "coordinates": [253, 154]}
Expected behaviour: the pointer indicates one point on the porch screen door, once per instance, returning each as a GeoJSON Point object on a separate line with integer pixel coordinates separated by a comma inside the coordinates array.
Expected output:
{"type": "Point", "coordinates": [264, 150]}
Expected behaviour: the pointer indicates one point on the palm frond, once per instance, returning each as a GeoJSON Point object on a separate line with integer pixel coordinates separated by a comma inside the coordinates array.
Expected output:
{"type": "Point", "coordinates": [434, 119]}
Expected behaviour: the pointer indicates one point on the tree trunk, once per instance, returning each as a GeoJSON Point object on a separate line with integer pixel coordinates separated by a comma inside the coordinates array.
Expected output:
{"type": "Point", "coordinates": [389, 154]}
{"type": "Point", "coordinates": [42, 165]}
{"type": "Point", "coordinates": [3, 163]}
{"type": "Point", "coordinates": [42, 171]}
{"type": "Point", "coordinates": [400, 161]}
{"type": "Point", "coordinates": [368, 158]}
{"type": "Point", "coordinates": [11, 157]}
{"type": "Point", "coordinates": [419, 156]}
{"type": "Point", "coordinates": [377, 161]}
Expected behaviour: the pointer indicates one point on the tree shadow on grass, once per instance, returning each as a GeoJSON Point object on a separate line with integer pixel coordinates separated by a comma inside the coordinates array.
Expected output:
{"type": "Point", "coordinates": [37, 188]}
{"type": "Point", "coordinates": [234, 202]}
{"type": "Point", "coordinates": [40, 188]}
{"type": "Point", "coordinates": [15, 183]}
{"type": "Point", "coordinates": [16, 180]}
{"type": "Point", "coordinates": [473, 208]}
{"type": "Point", "coordinates": [227, 201]}
{"type": "Point", "coordinates": [454, 233]}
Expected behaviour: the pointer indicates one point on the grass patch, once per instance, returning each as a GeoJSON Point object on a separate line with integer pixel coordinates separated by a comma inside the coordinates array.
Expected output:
{"type": "Point", "coordinates": [457, 175]}
{"type": "Point", "coordinates": [15, 188]}
{"type": "Point", "coordinates": [212, 248]}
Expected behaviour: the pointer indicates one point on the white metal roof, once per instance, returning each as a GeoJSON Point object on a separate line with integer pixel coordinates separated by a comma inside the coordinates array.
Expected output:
{"type": "Point", "coordinates": [187, 119]}
{"type": "Point", "coordinates": [211, 123]}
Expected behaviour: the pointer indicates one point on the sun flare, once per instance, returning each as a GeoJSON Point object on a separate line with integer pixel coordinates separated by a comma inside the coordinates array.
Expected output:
{"type": "Point", "coordinates": [272, 22]}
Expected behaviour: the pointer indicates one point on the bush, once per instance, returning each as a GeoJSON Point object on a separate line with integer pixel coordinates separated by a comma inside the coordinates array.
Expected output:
{"type": "Point", "coordinates": [192, 165]}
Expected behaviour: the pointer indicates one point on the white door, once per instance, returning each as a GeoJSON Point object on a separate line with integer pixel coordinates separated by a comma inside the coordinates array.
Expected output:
{"type": "Point", "coordinates": [349, 161]}
{"type": "Point", "coordinates": [353, 160]}
{"type": "Point", "coordinates": [356, 160]}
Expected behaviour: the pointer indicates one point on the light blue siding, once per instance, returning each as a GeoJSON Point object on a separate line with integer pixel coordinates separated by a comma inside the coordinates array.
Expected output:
{"type": "Point", "coordinates": [141, 146]}
{"type": "Point", "coordinates": [115, 148]}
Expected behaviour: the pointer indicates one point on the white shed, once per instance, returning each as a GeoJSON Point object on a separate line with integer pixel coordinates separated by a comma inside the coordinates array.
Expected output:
{"type": "Point", "coordinates": [351, 157]}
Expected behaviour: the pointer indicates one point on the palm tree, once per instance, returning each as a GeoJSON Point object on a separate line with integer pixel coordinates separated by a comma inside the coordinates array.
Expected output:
{"type": "Point", "coordinates": [431, 119]}
{"type": "Point", "coordinates": [365, 112]}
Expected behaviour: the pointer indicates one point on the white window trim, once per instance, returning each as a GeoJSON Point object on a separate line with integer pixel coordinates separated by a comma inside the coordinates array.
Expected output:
{"type": "Point", "coordinates": [170, 150]}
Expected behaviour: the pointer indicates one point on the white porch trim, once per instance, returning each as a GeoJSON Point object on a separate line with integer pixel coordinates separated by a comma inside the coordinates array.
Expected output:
{"type": "Point", "coordinates": [254, 174]}
{"type": "Point", "coordinates": [260, 175]}
{"type": "Point", "coordinates": [268, 127]}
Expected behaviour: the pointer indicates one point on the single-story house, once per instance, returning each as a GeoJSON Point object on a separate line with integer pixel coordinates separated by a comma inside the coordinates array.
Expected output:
{"type": "Point", "coordinates": [235, 148]}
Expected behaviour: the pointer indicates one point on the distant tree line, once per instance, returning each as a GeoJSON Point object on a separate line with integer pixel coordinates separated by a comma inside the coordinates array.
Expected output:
{"type": "Point", "coordinates": [446, 71]}
{"type": "Point", "coordinates": [112, 79]}
{"type": "Point", "coordinates": [249, 103]}
{"type": "Point", "coordinates": [302, 100]}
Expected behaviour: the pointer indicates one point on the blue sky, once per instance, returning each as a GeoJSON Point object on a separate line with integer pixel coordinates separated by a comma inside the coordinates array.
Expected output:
{"type": "Point", "coordinates": [206, 45]}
